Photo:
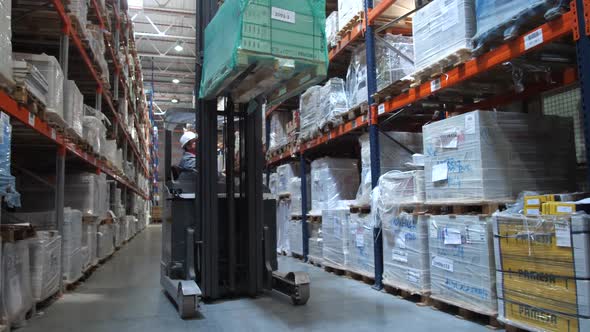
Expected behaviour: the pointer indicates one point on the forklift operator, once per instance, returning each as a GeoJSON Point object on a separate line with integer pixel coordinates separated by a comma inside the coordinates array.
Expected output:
{"type": "Point", "coordinates": [188, 142]}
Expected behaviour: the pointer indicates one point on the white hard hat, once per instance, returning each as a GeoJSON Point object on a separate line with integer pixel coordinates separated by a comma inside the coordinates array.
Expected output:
{"type": "Point", "coordinates": [187, 137]}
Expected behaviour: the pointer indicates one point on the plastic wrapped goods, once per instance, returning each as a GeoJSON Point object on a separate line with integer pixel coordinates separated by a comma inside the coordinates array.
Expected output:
{"type": "Point", "coordinates": [278, 129]}
{"type": "Point", "coordinates": [348, 9]}
{"type": "Point", "coordinates": [332, 180]}
{"type": "Point", "coordinates": [285, 173]}
{"type": "Point", "coordinates": [89, 238]}
{"type": "Point", "coordinates": [118, 240]}
{"type": "Point", "coordinates": [316, 241]}
{"type": "Point", "coordinates": [45, 254]}
{"type": "Point", "coordinates": [17, 297]}
{"type": "Point", "coordinates": [71, 244]}
{"type": "Point", "coordinates": [442, 28]}
{"type": "Point", "coordinates": [332, 29]}
{"type": "Point", "coordinates": [462, 270]}
{"type": "Point", "coordinates": [286, 41]}
{"type": "Point", "coordinates": [393, 155]}
{"type": "Point", "coordinates": [543, 271]}
{"type": "Point", "coordinates": [49, 67]}
{"type": "Point", "coordinates": [333, 102]}
{"type": "Point", "coordinates": [80, 10]}
{"type": "Point", "coordinates": [7, 181]}
{"type": "Point", "coordinates": [73, 107]}
{"type": "Point", "coordinates": [498, 20]}
{"type": "Point", "coordinates": [406, 259]}
{"type": "Point", "coordinates": [309, 113]}
{"type": "Point", "coordinates": [87, 192]}
{"type": "Point", "coordinates": [295, 237]}
{"type": "Point", "coordinates": [273, 182]}
{"type": "Point", "coordinates": [283, 225]}
{"type": "Point", "coordinates": [335, 232]}
{"type": "Point", "coordinates": [295, 190]}
{"type": "Point", "coordinates": [496, 155]}
{"type": "Point", "coordinates": [94, 132]}
{"type": "Point", "coordinates": [361, 259]}
{"type": "Point", "coordinates": [5, 42]}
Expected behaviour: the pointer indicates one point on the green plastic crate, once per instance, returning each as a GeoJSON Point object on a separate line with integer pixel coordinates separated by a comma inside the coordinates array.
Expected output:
{"type": "Point", "coordinates": [270, 48]}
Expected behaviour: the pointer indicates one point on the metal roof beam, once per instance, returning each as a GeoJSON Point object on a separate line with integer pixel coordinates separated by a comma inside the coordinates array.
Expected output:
{"type": "Point", "coordinates": [164, 10]}
{"type": "Point", "coordinates": [164, 56]}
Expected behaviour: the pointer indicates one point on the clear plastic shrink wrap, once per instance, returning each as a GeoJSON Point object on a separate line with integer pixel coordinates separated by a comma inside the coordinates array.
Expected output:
{"type": "Point", "coordinates": [5, 42]}
{"type": "Point", "coordinates": [73, 107]}
{"type": "Point", "coordinates": [89, 239]}
{"type": "Point", "coordinates": [336, 234]}
{"type": "Point", "coordinates": [285, 174]}
{"type": "Point", "coordinates": [94, 132]}
{"type": "Point", "coordinates": [333, 102]}
{"type": "Point", "coordinates": [295, 190]}
{"type": "Point", "coordinates": [543, 271]}
{"type": "Point", "coordinates": [88, 193]}
{"type": "Point", "coordinates": [316, 241]}
{"type": "Point", "coordinates": [17, 298]}
{"type": "Point", "coordinates": [273, 183]}
{"type": "Point", "coordinates": [442, 28]}
{"type": "Point", "coordinates": [278, 129]}
{"type": "Point", "coordinates": [499, 20]}
{"type": "Point", "coordinates": [392, 156]}
{"type": "Point", "coordinates": [309, 114]}
{"type": "Point", "coordinates": [283, 225]}
{"type": "Point", "coordinates": [80, 10]}
{"type": "Point", "coordinates": [332, 29]}
{"type": "Point", "coordinates": [462, 270]}
{"type": "Point", "coordinates": [496, 155]}
{"type": "Point", "coordinates": [295, 237]}
{"type": "Point", "coordinates": [7, 181]}
{"type": "Point", "coordinates": [348, 9]}
{"type": "Point", "coordinates": [361, 257]}
{"type": "Point", "coordinates": [406, 259]}
{"type": "Point", "coordinates": [332, 180]}
{"type": "Point", "coordinates": [105, 242]}
{"type": "Point", "coordinates": [71, 245]}
{"type": "Point", "coordinates": [45, 254]}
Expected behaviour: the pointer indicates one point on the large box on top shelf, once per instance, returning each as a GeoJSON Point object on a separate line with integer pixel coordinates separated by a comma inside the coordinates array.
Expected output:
{"type": "Point", "coordinates": [481, 156]}
{"type": "Point", "coordinates": [45, 254]}
{"type": "Point", "coordinates": [309, 113]}
{"type": "Point", "coordinates": [73, 108]}
{"type": "Point", "coordinates": [278, 129]}
{"type": "Point", "coordinates": [543, 271]}
{"type": "Point", "coordinates": [284, 40]}
{"type": "Point", "coordinates": [332, 180]}
{"type": "Point", "coordinates": [462, 270]}
{"type": "Point", "coordinates": [360, 246]}
{"type": "Point", "coordinates": [441, 29]}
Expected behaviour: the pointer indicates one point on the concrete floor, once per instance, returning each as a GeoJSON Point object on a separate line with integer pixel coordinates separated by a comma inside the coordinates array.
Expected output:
{"type": "Point", "coordinates": [125, 295]}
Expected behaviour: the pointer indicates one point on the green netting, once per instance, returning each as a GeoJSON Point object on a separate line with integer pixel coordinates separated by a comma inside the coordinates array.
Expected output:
{"type": "Point", "coordinates": [284, 37]}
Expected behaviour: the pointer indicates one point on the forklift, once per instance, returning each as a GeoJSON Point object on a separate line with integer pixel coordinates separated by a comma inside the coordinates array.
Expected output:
{"type": "Point", "coordinates": [219, 228]}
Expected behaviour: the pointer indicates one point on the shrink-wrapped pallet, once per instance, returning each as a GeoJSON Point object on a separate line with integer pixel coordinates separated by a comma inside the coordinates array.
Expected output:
{"type": "Point", "coordinates": [333, 102]}
{"type": "Point", "coordinates": [295, 237]}
{"type": "Point", "coordinates": [361, 258]}
{"type": "Point", "coordinates": [332, 29]}
{"type": "Point", "coordinates": [406, 259]}
{"type": "Point", "coordinates": [273, 183]}
{"type": "Point", "coordinates": [7, 181]}
{"type": "Point", "coordinates": [278, 129]}
{"type": "Point", "coordinates": [335, 232]}
{"type": "Point", "coordinates": [393, 155]}
{"type": "Point", "coordinates": [117, 239]}
{"type": "Point", "coordinates": [79, 9]}
{"type": "Point", "coordinates": [481, 156]}
{"type": "Point", "coordinates": [441, 29]}
{"type": "Point", "coordinates": [309, 114]}
{"type": "Point", "coordinates": [17, 298]}
{"type": "Point", "coordinates": [283, 39]}
{"type": "Point", "coordinates": [89, 240]}
{"type": "Point", "coordinates": [73, 107]}
{"type": "Point", "coordinates": [71, 246]}
{"type": "Point", "coordinates": [295, 190]}
{"type": "Point", "coordinates": [88, 193]}
{"type": "Point", "coordinates": [105, 241]}
{"type": "Point", "coordinates": [462, 270]}
{"type": "Point", "coordinates": [332, 180]}
{"type": "Point", "coordinates": [316, 241]}
{"type": "Point", "coordinates": [94, 132]}
{"type": "Point", "coordinates": [285, 174]}
{"type": "Point", "coordinates": [283, 225]}
{"type": "Point", "coordinates": [45, 255]}
{"type": "Point", "coordinates": [543, 271]}
{"type": "Point", "coordinates": [6, 43]}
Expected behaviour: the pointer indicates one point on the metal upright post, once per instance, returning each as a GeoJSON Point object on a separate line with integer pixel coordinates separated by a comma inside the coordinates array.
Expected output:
{"type": "Point", "coordinates": [230, 139]}
{"type": "Point", "coordinates": [116, 49]}
{"type": "Point", "coordinates": [60, 157]}
{"type": "Point", "coordinates": [583, 52]}
{"type": "Point", "coordinates": [304, 230]}
{"type": "Point", "coordinates": [267, 138]}
{"type": "Point", "coordinates": [373, 139]}
{"type": "Point", "coordinates": [98, 103]}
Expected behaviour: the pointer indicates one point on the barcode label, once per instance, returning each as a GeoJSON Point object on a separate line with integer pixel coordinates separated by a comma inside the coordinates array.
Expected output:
{"type": "Point", "coordinates": [435, 85]}
{"type": "Point", "coordinates": [31, 119]}
{"type": "Point", "coordinates": [381, 109]}
{"type": "Point", "coordinates": [53, 136]}
{"type": "Point", "coordinates": [533, 39]}
{"type": "Point", "coordinates": [283, 15]}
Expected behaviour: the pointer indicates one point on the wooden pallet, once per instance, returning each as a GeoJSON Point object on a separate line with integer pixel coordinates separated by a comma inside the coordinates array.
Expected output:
{"type": "Point", "coordinates": [486, 208]}
{"type": "Point", "coordinates": [421, 298]}
{"type": "Point", "coordinates": [13, 233]}
{"type": "Point", "coordinates": [394, 89]}
{"type": "Point", "coordinates": [26, 98]}
{"type": "Point", "coordinates": [441, 66]}
{"type": "Point", "coordinates": [333, 269]}
{"type": "Point", "coordinates": [314, 219]}
{"type": "Point", "coordinates": [511, 328]}
{"type": "Point", "coordinates": [296, 217]}
{"type": "Point", "coordinates": [298, 256]}
{"type": "Point", "coordinates": [285, 196]}
{"type": "Point", "coordinates": [369, 280]}
{"type": "Point", "coordinates": [360, 209]}
{"type": "Point", "coordinates": [315, 261]}
{"type": "Point", "coordinates": [355, 112]}
{"type": "Point", "coordinates": [44, 304]}
{"type": "Point", "coordinates": [464, 311]}
{"type": "Point", "coordinates": [356, 19]}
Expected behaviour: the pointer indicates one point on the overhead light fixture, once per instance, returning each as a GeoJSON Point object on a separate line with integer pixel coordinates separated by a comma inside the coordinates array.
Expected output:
{"type": "Point", "coordinates": [174, 101]}
{"type": "Point", "coordinates": [176, 81]}
{"type": "Point", "coordinates": [178, 47]}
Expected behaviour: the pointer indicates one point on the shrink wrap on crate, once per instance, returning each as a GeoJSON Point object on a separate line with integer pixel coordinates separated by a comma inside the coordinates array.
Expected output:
{"type": "Point", "coordinates": [109, 150]}
{"type": "Point", "coordinates": [309, 114]}
{"type": "Point", "coordinates": [285, 174]}
{"type": "Point", "coordinates": [278, 129]}
{"type": "Point", "coordinates": [273, 183]}
{"type": "Point", "coordinates": [392, 156]}
{"type": "Point", "coordinates": [498, 20]}
{"type": "Point", "coordinates": [295, 190]}
{"type": "Point", "coordinates": [285, 39]}
{"type": "Point", "coordinates": [332, 29]}
{"type": "Point", "coordinates": [49, 67]}
{"type": "Point", "coordinates": [462, 270]}
{"type": "Point", "coordinates": [73, 107]}
{"type": "Point", "coordinates": [295, 237]}
{"type": "Point", "coordinates": [283, 225]}
{"type": "Point", "coordinates": [332, 180]}
{"type": "Point", "coordinates": [361, 258]}
{"type": "Point", "coordinates": [7, 181]}
{"type": "Point", "coordinates": [6, 42]}
{"type": "Point", "coordinates": [117, 239]}
{"type": "Point", "coordinates": [543, 271]}
{"type": "Point", "coordinates": [441, 29]}
{"type": "Point", "coordinates": [482, 155]}
{"type": "Point", "coordinates": [316, 241]}
{"type": "Point", "coordinates": [333, 102]}
{"type": "Point", "coordinates": [335, 232]}
{"type": "Point", "coordinates": [89, 240]}
{"type": "Point", "coordinates": [94, 132]}
{"type": "Point", "coordinates": [80, 10]}
{"type": "Point", "coordinates": [88, 193]}
{"type": "Point", "coordinates": [71, 245]}
{"type": "Point", "coordinates": [17, 297]}
{"type": "Point", "coordinates": [45, 255]}
{"type": "Point", "coordinates": [406, 259]}
{"type": "Point", "coordinates": [105, 241]}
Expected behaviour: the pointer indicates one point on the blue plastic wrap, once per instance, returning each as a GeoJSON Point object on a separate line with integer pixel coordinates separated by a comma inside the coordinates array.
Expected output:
{"type": "Point", "coordinates": [7, 181]}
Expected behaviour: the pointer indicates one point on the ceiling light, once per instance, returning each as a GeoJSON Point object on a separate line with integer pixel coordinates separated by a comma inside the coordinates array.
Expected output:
{"type": "Point", "coordinates": [174, 101]}
{"type": "Point", "coordinates": [178, 47]}
{"type": "Point", "coordinates": [176, 81]}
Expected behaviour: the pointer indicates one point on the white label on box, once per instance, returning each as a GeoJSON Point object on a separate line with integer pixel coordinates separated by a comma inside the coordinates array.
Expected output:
{"type": "Point", "coordinates": [31, 119]}
{"type": "Point", "coordinates": [283, 15]}
{"type": "Point", "coordinates": [399, 256]}
{"type": "Point", "coordinates": [435, 85]}
{"type": "Point", "coordinates": [360, 240]}
{"type": "Point", "coordinates": [381, 109]}
{"type": "Point", "coordinates": [440, 172]}
{"type": "Point", "coordinates": [413, 277]}
{"type": "Point", "coordinates": [401, 240]}
{"type": "Point", "coordinates": [452, 236]}
{"type": "Point", "coordinates": [532, 212]}
{"type": "Point", "coordinates": [53, 136]}
{"type": "Point", "coordinates": [565, 209]}
{"type": "Point", "coordinates": [533, 201]}
{"type": "Point", "coordinates": [475, 233]}
{"type": "Point", "coordinates": [470, 124]}
{"type": "Point", "coordinates": [562, 232]}
{"type": "Point", "coordinates": [442, 263]}
{"type": "Point", "coordinates": [533, 39]}
{"type": "Point", "coordinates": [450, 139]}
